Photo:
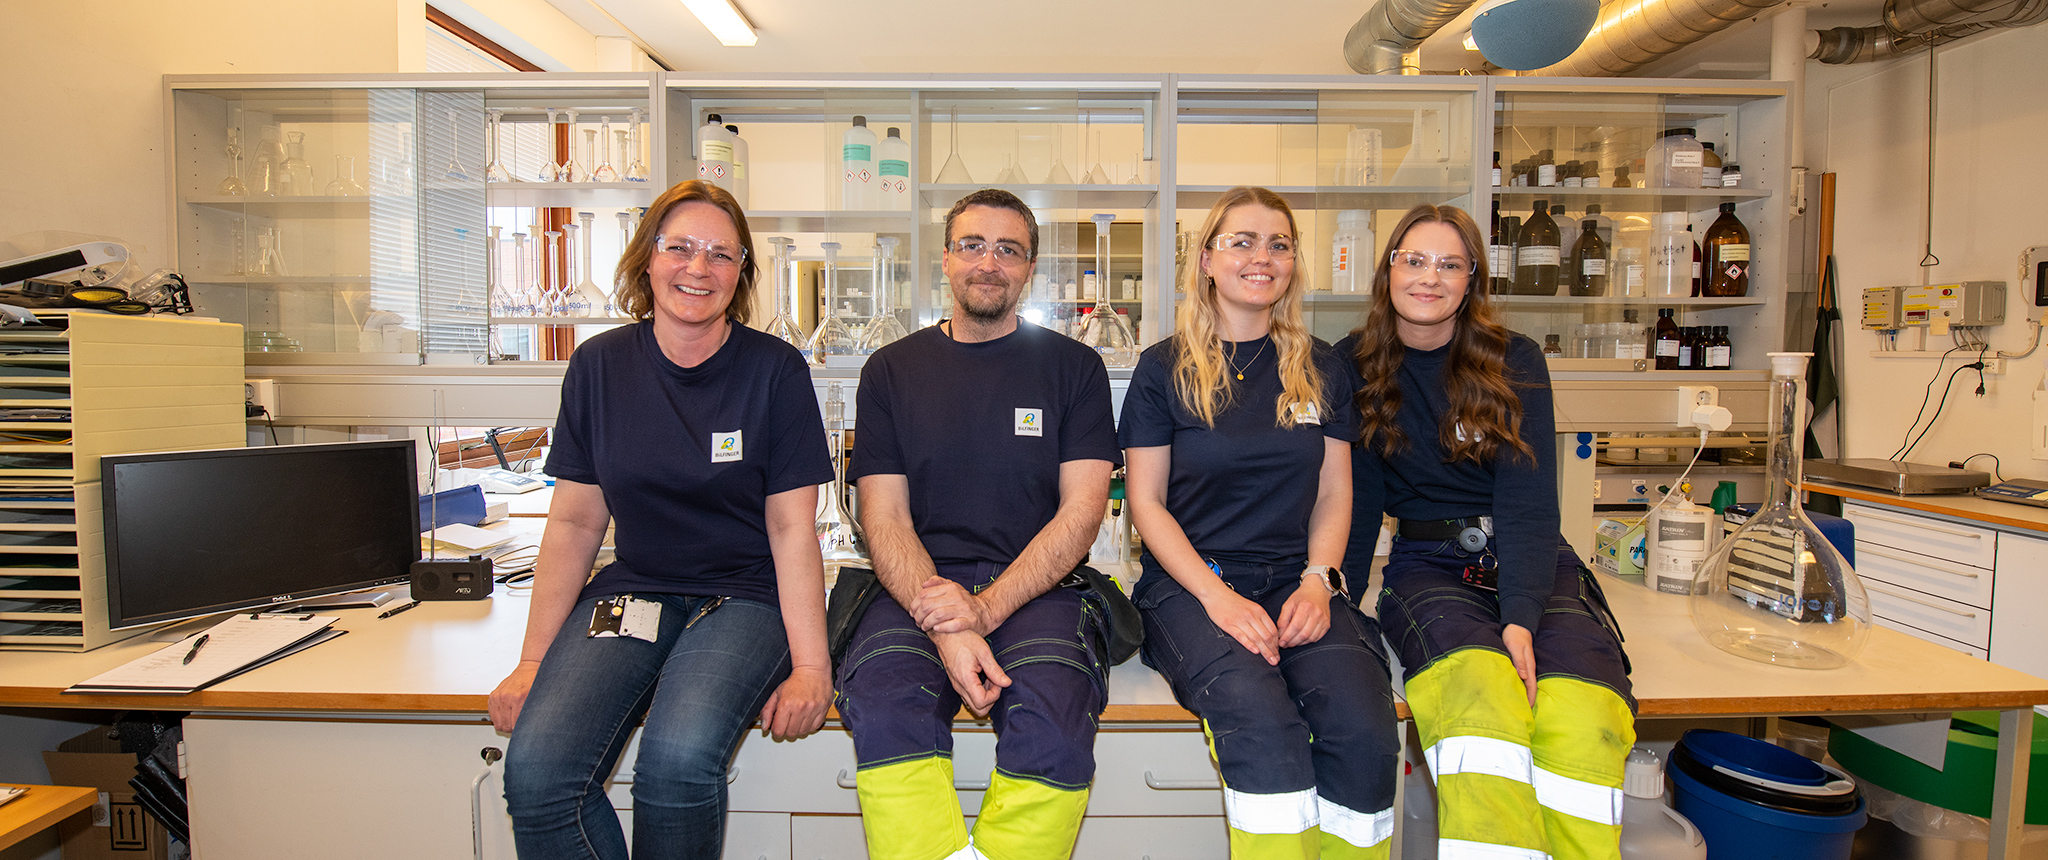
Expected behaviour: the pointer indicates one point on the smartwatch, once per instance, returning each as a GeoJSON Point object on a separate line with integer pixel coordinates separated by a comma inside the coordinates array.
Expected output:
{"type": "Point", "coordinates": [1332, 577]}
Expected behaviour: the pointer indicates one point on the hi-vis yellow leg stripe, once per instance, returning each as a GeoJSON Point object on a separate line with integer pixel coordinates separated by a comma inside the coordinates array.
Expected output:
{"type": "Point", "coordinates": [910, 812]}
{"type": "Point", "coordinates": [1459, 849]}
{"type": "Point", "coordinates": [1291, 812]}
{"type": "Point", "coordinates": [1578, 798]}
{"type": "Point", "coordinates": [1348, 833]}
{"type": "Point", "coordinates": [1475, 722]}
{"type": "Point", "coordinates": [1582, 738]}
{"type": "Point", "coordinates": [1023, 819]}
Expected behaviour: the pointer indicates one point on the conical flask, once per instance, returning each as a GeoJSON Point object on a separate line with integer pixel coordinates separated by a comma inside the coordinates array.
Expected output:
{"type": "Point", "coordinates": [784, 326]}
{"type": "Point", "coordinates": [1103, 330]}
{"type": "Point", "coordinates": [839, 538]}
{"type": "Point", "coordinates": [1777, 591]}
{"type": "Point", "coordinates": [831, 338]}
{"type": "Point", "coordinates": [884, 328]}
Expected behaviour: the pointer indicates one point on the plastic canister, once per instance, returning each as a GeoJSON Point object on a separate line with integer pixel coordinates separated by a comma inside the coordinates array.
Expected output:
{"type": "Point", "coordinates": [1669, 268]}
{"type": "Point", "coordinates": [1351, 252]}
{"type": "Point", "coordinates": [1679, 543]}
{"type": "Point", "coordinates": [892, 171]}
{"type": "Point", "coordinates": [715, 153]}
{"type": "Point", "coordinates": [1675, 159]}
{"type": "Point", "coordinates": [1651, 830]}
{"type": "Point", "coordinates": [857, 167]}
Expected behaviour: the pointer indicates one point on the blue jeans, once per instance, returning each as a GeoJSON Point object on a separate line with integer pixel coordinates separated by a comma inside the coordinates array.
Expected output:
{"type": "Point", "coordinates": [698, 689]}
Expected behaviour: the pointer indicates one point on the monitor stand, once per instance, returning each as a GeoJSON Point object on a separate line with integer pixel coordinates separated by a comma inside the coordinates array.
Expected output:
{"type": "Point", "coordinates": [352, 600]}
{"type": "Point", "coordinates": [176, 631]}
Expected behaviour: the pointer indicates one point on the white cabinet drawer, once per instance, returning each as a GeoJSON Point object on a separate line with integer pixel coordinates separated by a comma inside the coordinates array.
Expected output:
{"type": "Point", "coordinates": [1966, 624]}
{"type": "Point", "coordinates": [1937, 639]}
{"type": "Point", "coordinates": [1179, 838]}
{"type": "Point", "coordinates": [827, 837]}
{"type": "Point", "coordinates": [1957, 582]}
{"type": "Point", "coordinates": [1968, 545]}
{"type": "Point", "coordinates": [1155, 772]}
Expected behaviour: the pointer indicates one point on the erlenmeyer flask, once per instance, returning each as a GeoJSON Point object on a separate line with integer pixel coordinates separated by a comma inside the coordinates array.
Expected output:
{"type": "Point", "coordinates": [1103, 330]}
{"type": "Point", "coordinates": [954, 172]}
{"type": "Point", "coordinates": [550, 170]}
{"type": "Point", "coordinates": [495, 171]}
{"type": "Point", "coordinates": [232, 186]}
{"type": "Point", "coordinates": [455, 169]}
{"type": "Point", "coordinates": [839, 537]}
{"type": "Point", "coordinates": [1776, 591]}
{"type": "Point", "coordinates": [344, 183]}
{"type": "Point", "coordinates": [1059, 175]}
{"type": "Point", "coordinates": [883, 328]}
{"type": "Point", "coordinates": [783, 327]}
{"type": "Point", "coordinates": [831, 339]}
{"type": "Point", "coordinates": [636, 170]}
{"type": "Point", "coordinates": [605, 172]}
{"type": "Point", "coordinates": [594, 296]}
{"type": "Point", "coordinates": [572, 169]}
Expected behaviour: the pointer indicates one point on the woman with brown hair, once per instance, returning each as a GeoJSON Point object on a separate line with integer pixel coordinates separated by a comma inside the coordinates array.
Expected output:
{"type": "Point", "coordinates": [1513, 670]}
{"type": "Point", "coordinates": [699, 440]}
{"type": "Point", "coordinates": [1237, 434]}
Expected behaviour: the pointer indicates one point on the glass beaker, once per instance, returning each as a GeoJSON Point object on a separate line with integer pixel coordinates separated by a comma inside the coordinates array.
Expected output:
{"type": "Point", "coordinates": [1776, 591]}
{"type": "Point", "coordinates": [636, 169]}
{"type": "Point", "coordinates": [1103, 330]}
{"type": "Point", "coordinates": [831, 337]}
{"type": "Point", "coordinates": [784, 327]}
{"type": "Point", "coordinates": [839, 537]}
{"type": "Point", "coordinates": [232, 186]}
{"type": "Point", "coordinates": [550, 169]}
{"type": "Point", "coordinates": [605, 172]}
{"type": "Point", "coordinates": [344, 183]}
{"type": "Point", "coordinates": [883, 328]}
{"type": "Point", "coordinates": [495, 171]}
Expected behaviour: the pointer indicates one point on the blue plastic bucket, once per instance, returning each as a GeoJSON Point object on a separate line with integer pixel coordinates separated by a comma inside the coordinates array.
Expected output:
{"type": "Point", "coordinates": [1756, 801]}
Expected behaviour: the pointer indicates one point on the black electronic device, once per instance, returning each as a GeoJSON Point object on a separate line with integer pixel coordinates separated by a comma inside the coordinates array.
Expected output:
{"type": "Point", "coordinates": [2019, 491]}
{"type": "Point", "coordinates": [193, 533]}
{"type": "Point", "coordinates": [441, 579]}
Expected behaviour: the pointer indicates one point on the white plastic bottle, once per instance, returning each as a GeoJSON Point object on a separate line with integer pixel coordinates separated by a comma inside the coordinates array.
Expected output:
{"type": "Point", "coordinates": [1669, 267]}
{"type": "Point", "coordinates": [1674, 160]}
{"type": "Point", "coordinates": [714, 153]}
{"type": "Point", "coordinates": [857, 167]}
{"type": "Point", "coordinates": [1680, 541]}
{"type": "Point", "coordinates": [742, 189]}
{"type": "Point", "coordinates": [1351, 252]}
{"type": "Point", "coordinates": [1651, 830]}
{"type": "Point", "coordinates": [892, 169]}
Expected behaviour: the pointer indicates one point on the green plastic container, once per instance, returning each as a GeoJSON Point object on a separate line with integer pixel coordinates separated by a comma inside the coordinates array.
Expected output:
{"type": "Point", "coordinates": [1964, 783]}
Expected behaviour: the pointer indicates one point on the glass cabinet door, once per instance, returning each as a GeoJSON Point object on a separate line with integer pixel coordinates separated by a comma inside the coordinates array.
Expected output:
{"type": "Point", "coordinates": [1349, 155]}
{"type": "Point", "coordinates": [298, 214]}
{"type": "Point", "coordinates": [1629, 158]}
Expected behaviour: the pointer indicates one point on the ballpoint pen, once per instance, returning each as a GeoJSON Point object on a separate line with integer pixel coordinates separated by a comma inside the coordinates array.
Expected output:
{"type": "Point", "coordinates": [196, 645]}
{"type": "Point", "coordinates": [397, 609]}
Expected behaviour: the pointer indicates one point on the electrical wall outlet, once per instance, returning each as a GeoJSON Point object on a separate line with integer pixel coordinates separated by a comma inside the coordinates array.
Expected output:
{"type": "Point", "coordinates": [261, 393]}
{"type": "Point", "coordinates": [1691, 397]}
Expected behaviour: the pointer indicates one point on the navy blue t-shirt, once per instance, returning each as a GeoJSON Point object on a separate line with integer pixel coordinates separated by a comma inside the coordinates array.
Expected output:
{"type": "Point", "coordinates": [980, 430]}
{"type": "Point", "coordinates": [1243, 490]}
{"type": "Point", "coordinates": [687, 457]}
{"type": "Point", "coordinates": [1417, 484]}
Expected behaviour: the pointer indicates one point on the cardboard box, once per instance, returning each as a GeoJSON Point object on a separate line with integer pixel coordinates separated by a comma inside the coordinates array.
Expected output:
{"type": "Point", "coordinates": [117, 828]}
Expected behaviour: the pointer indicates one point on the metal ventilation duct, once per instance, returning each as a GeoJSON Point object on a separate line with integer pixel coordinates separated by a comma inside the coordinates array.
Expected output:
{"type": "Point", "coordinates": [1631, 34]}
{"type": "Point", "coordinates": [1923, 24]}
{"type": "Point", "coordinates": [1391, 29]}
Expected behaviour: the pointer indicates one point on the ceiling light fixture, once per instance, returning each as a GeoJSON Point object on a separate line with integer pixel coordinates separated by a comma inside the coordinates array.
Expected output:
{"type": "Point", "coordinates": [724, 21]}
{"type": "Point", "coordinates": [1469, 44]}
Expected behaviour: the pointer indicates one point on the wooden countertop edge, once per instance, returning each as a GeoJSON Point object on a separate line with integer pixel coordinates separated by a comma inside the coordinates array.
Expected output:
{"type": "Point", "coordinates": [399, 705]}
{"type": "Point", "coordinates": [42, 807]}
{"type": "Point", "coordinates": [1928, 503]}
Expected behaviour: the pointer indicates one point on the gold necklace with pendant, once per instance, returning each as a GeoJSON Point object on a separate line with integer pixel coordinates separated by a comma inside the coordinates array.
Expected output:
{"type": "Point", "coordinates": [1255, 358]}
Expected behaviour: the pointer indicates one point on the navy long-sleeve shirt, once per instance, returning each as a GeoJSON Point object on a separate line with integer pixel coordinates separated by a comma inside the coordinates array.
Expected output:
{"type": "Point", "coordinates": [1416, 483]}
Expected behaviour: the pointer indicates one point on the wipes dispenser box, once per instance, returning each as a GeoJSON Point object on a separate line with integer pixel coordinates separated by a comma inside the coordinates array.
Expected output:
{"type": "Point", "coordinates": [1618, 548]}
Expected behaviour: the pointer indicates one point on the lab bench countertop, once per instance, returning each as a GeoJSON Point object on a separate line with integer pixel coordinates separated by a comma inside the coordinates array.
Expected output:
{"type": "Point", "coordinates": [1960, 506]}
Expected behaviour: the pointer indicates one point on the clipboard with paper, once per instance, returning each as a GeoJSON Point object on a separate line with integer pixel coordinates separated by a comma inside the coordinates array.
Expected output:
{"type": "Point", "coordinates": [236, 645]}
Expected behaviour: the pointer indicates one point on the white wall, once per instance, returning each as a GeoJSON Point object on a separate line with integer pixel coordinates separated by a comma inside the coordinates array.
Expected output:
{"type": "Point", "coordinates": [1867, 124]}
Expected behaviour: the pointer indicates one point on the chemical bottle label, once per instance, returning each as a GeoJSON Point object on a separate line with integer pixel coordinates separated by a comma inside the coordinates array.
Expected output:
{"type": "Point", "coordinates": [1667, 349]}
{"type": "Point", "coordinates": [1546, 174]}
{"type": "Point", "coordinates": [1499, 258]}
{"type": "Point", "coordinates": [1539, 255]}
{"type": "Point", "coordinates": [895, 167]}
{"type": "Point", "coordinates": [739, 171]}
{"type": "Point", "coordinates": [1734, 253]}
{"type": "Point", "coordinates": [1718, 356]}
{"type": "Point", "coordinates": [1635, 279]}
{"type": "Point", "coordinates": [856, 152]}
{"type": "Point", "coordinates": [1686, 158]}
{"type": "Point", "coordinates": [1593, 266]}
{"type": "Point", "coordinates": [715, 150]}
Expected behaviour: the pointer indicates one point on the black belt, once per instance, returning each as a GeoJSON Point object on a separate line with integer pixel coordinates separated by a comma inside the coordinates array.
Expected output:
{"type": "Point", "coordinates": [1444, 529]}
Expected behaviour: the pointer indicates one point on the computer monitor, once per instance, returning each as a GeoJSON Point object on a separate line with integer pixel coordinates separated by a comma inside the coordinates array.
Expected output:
{"type": "Point", "coordinates": [193, 533]}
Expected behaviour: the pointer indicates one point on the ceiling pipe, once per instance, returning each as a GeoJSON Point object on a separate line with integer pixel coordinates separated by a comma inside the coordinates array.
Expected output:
{"type": "Point", "coordinates": [1940, 22]}
{"type": "Point", "coordinates": [1631, 34]}
{"type": "Point", "coordinates": [1385, 39]}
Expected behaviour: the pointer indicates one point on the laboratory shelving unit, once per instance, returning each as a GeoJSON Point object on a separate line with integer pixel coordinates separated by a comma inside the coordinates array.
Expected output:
{"type": "Point", "coordinates": [129, 384]}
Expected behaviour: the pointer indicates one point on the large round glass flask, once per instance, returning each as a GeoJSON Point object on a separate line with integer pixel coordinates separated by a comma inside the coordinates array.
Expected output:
{"type": "Point", "coordinates": [1776, 591]}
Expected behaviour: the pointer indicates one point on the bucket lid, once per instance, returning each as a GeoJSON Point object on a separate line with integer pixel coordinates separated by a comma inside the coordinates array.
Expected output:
{"type": "Point", "coordinates": [1756, 772]}
{"type": "Point", "coordinates": [1749, 757]}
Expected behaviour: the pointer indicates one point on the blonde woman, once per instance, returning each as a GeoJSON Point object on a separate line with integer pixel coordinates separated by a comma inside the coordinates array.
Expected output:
{"type": "Point", "coordinates": [1237, 434]}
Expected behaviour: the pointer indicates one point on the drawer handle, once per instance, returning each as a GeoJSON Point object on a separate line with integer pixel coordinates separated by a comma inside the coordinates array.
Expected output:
{"type": "Point", "coordinates": [1927, 603]}
{"type": "Point", "coordinates": [1158, 784]}
{"type": "Point", "coordinates": [1868, 550]}
{"type": "Point", "coordinates": [1920, 524]}
{"type": "Point", "coordinates": [845, 780]}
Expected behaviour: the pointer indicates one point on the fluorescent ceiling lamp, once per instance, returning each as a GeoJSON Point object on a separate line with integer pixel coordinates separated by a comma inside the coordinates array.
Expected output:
{"type": "Point", "coordinates": [1469, 44]}
{"type": "Point", "coordinates": [724, 21]}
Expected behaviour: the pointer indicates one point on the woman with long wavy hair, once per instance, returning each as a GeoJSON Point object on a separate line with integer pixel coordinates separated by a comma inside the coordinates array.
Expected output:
{"type": "Point", "coordinates": [1237, 434]}
{"type": "Point", "coordinates": [1513, 668]}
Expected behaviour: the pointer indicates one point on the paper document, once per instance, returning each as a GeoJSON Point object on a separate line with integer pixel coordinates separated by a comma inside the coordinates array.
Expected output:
{"type": "Point", "coordinates": [229, 648]}
{"type": "Point", "coordinates": [456, 538]}
{"type": "Point", "coordinates": [9, 792]}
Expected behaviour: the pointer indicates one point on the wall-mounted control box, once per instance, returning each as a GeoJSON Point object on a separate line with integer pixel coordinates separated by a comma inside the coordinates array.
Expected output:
{"type": "Point", "coordinates": [1966, 303]}
{"type": "Point", "coordinates": [1881, 307]}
